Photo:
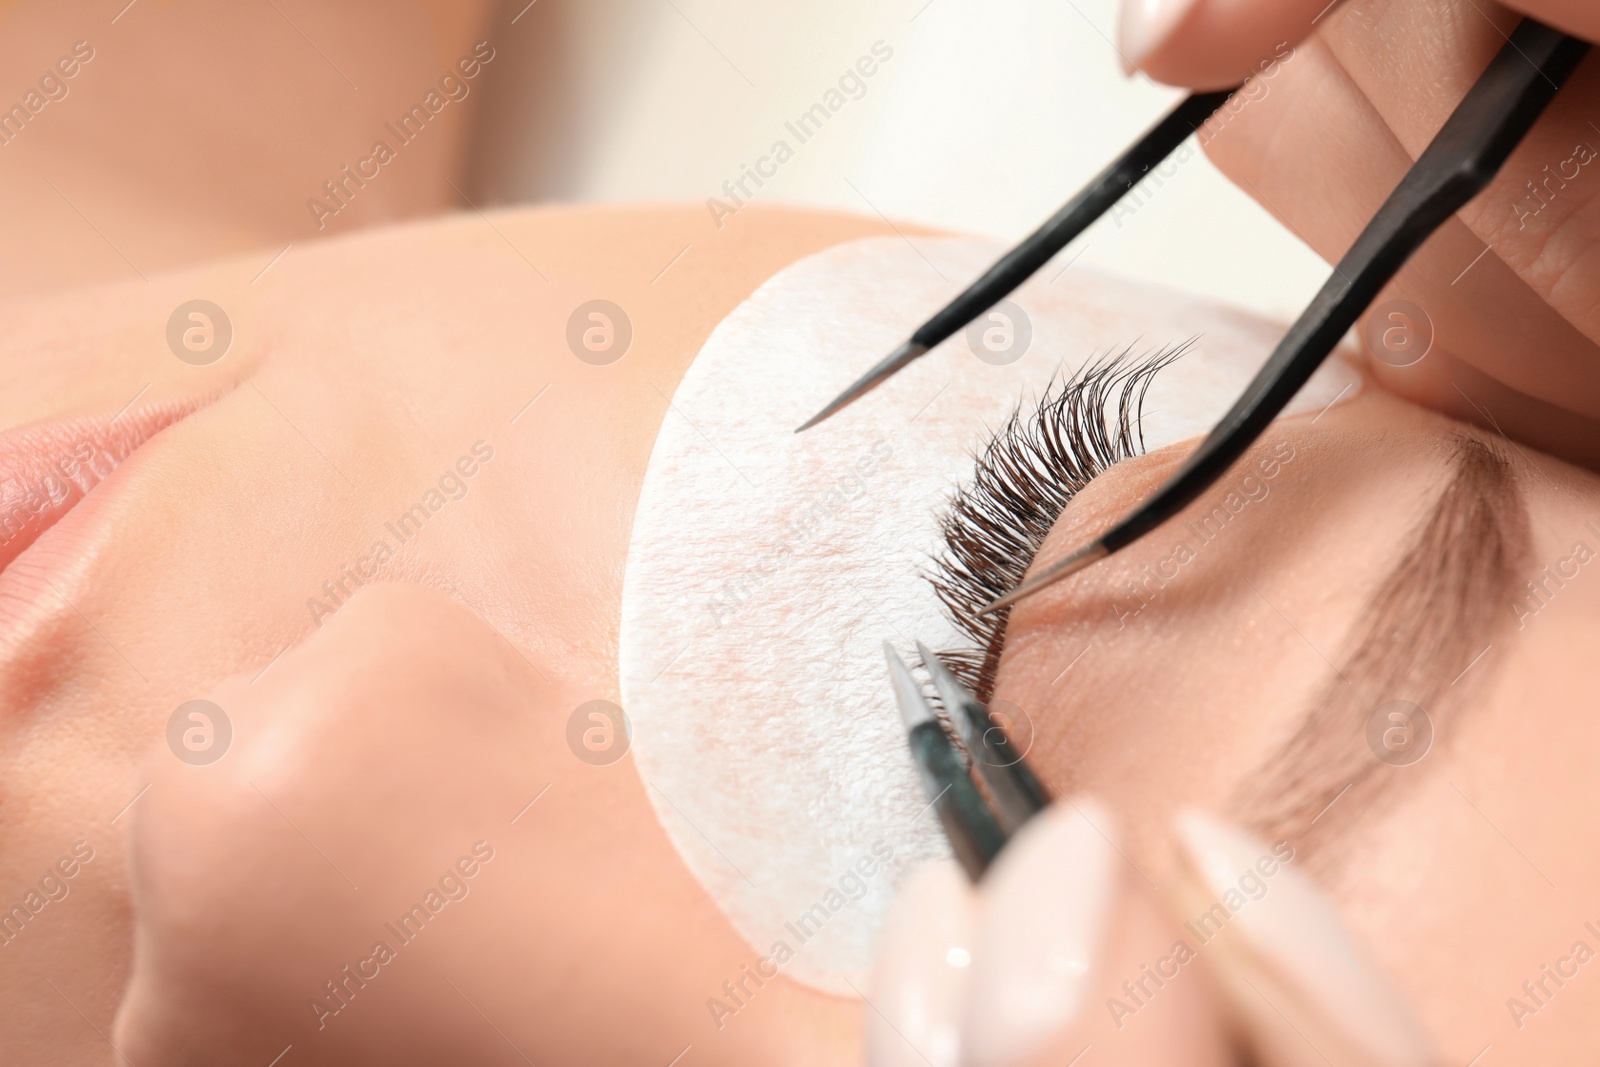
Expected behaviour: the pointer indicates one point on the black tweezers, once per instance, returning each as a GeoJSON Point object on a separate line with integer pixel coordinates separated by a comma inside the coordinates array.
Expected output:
{"type": "Point", "coordinates": [1461, 160]}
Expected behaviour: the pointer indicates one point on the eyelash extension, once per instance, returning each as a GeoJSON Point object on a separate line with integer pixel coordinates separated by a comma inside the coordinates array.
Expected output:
{"type": "Point", "coordinates": [1022, 479]}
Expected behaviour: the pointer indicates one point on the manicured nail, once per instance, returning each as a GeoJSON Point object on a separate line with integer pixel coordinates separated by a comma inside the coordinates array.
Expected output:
{"type": "Point", "coordinates": [1040, 928]}
{"type": "Point", "coordinates": [925, 951]}
{"type": "Point", "coordinates": [1146, 25]}
{"type": "Point", "coordinates": [1273, 922]}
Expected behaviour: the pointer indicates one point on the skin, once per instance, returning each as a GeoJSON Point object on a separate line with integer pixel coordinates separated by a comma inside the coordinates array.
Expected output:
{"type": "Point", "coordinates": [1466, 877]}
{"type": "Point", "coordinates": [274, 437]}
{"type": "Point", "coordinates": [1329, 132]}
{"type": "Point", "coordinates": [252, 121]}
{"type": "Point", "coordinates": [195, 562]}
{"type": "Point", "coordinates": [414, 720]}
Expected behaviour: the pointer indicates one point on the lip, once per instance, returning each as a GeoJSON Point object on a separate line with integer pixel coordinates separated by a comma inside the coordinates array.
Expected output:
{"type": "Point", "coordinates": [47, 469]}
{"type": "Point", "coordinates": [53, 514]}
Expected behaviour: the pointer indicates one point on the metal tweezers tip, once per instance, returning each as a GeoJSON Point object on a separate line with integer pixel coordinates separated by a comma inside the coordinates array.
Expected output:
{"type": "Point", "coordinates": [914, 707]}
{"type": "Point", "coordinates": [907, 352]}
{"type": "Point", "coordinates": [1095, 550]}
{"type": "Point", "coordinates": [951, 691]}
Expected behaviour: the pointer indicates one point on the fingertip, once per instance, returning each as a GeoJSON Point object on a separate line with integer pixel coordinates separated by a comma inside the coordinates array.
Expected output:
{"type": "Point", "coordinates": [1297, 976]}
{"type": "Point", "coordinates": [1145, 27]}
{"type": "Point", "coordinates": [1212, 44]}
{"type": "Point", "coordinates": [919, 981]}
{"type": "Point", "coordinates": [1042, 928]}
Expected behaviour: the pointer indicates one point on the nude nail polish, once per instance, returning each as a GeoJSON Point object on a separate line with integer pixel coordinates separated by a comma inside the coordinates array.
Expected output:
{"type": "Point", "coordinates": [1318, 994]}
{"type": "Point", "coordinates": [1145, 26]}
{"type": "Point", "coordinates": [915, 993]}
{"type": "Point", "coordinates": [1041, 921]}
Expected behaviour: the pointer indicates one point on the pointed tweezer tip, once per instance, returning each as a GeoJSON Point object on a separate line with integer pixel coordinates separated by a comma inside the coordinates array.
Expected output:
{"type": "Point", "coordinates": [1072, 564]}
{"type": "Point", "coordinates": [907, 352]}
{"type": "Point", "coordinates": [818, 417]}
{"type": "Point", "coordinates": [914, 707]}
{"type": "Point", "coordinates": [951, 691]}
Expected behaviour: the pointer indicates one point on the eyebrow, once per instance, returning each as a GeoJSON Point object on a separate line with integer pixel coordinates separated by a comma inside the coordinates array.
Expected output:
{"type": "Point", "coordinates": [1439, 609]}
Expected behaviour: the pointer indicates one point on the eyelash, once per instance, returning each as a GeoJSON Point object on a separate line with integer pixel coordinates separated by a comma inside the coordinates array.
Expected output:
{"type": "Point", "coordinates": [1022, 479]}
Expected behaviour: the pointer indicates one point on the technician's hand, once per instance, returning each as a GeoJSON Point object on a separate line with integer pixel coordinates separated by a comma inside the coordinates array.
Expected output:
{"type": "Point", "coordinates": [1215, 43]}
{"type": "Point", "coordinates": [1066, 955]}
{"type": "Point", "coordinates": [1338, 108]}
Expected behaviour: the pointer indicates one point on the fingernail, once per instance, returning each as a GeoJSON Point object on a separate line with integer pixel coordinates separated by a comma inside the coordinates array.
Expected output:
{"type": "Point", "coordinates": [1273, 923]}
{"type": "Point", "coordinates": [917, 985]}
{"type": "Point", "coordinates": [1040, 928]}
{"type": "Point", "coordinates": [1146, 25]}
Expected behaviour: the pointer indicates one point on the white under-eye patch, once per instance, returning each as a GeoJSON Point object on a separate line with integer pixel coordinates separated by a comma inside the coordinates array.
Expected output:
{"type": "Point", "coordinates": [766, 568]}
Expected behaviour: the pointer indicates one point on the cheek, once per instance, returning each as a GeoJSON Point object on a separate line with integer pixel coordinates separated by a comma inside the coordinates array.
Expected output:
{"type": "Point", "coordinates": [370, 757]}
{"type": "Point", "coordinates": [401, 737]}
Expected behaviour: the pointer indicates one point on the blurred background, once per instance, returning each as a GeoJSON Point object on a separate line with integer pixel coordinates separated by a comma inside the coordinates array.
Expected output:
{"type": "Point", "coordinates": [193, 130]}
{"type": "Point", "coordinates": [987, 116]}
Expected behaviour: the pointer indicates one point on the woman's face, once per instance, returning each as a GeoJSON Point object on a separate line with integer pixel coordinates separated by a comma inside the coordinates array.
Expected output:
{"type": "Point", "coordinates": [415, 390]}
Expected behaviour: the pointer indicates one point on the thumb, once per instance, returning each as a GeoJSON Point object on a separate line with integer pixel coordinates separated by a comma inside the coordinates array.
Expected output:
{"type": "Point", "coordinates": [1211, 44]}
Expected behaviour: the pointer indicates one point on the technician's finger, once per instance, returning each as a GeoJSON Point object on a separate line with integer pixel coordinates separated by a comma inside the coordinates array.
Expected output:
{"type": "Point", "coordinates": [1211, 44]}
{"type": "Point", "coordinates": [1310, 146]}
{"type": "Point", "coordinates": [1580, 17]}
{"type": "Point", "coordinates": [1208, 44]}
{"type": "Point", "coordinates": [1062, 956]}
{"type": "Point", "coordinates": [1304, 990]}
{"type": "Point", "coordinates": [919, 982]}
{"type": "Point", "coordinates": [1414, 62]}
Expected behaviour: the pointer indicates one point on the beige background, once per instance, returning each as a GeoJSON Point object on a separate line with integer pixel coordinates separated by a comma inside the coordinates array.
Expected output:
{"type": "Point", "coordinates": [989, 115]}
